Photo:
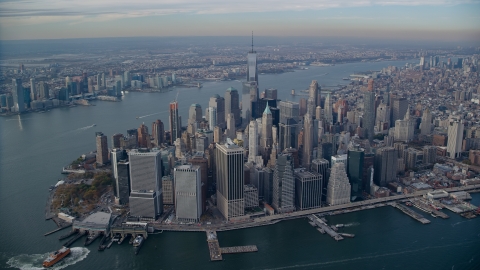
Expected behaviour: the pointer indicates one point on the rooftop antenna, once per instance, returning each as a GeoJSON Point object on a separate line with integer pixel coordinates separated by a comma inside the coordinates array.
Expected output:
{"type": "Point", "coordinates": [252, 41]}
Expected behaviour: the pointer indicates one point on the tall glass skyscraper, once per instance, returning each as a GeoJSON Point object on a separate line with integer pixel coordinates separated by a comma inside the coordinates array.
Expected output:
{"type": "Point", "coordinates": [230, 180]}
{"type": "Point", "coordinates": [250, 87]}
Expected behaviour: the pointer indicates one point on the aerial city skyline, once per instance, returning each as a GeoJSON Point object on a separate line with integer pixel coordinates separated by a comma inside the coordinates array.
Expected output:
{"type": "Point", "coordinates": [286, 135]}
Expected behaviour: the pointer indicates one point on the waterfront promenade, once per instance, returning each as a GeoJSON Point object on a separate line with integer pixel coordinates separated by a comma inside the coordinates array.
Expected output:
{"type": "Point", "coordinates": [331, 210]}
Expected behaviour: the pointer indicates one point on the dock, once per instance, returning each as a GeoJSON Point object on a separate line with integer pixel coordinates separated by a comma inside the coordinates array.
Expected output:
{"type": "Point", "coordinates": [58, 229]}
{"type": "Point", "coordinates": [411, 213]}
{"type": "Point", "coordinates": [326, 229]}
{"type": "Point", "coordinates": [425, 207]}
{"type": "Point", "coordinates": [214, 246]}
{"type": "Point", "coordinates": [239, 249]}
{"type": "Point", "coordinates": [71, 241]}
{"type": "Point", "coordinates": [68, 235]}
{"type": "Point", "coordinates": [216, 251]}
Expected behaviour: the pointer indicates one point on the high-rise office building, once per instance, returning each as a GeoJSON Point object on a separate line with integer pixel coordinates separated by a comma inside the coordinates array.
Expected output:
{"type": "Point", "coordinates": [307, 140]}
{"type": "Point", "coordinates": [338, 189]}
{"type": "Point", "coordinates": [146, 198]}
{"type": "Point", "coordinates": [212, 117]}
{"type": "Point", "coordinates": [231, 126]}
{"type": "Point", "coordinates": [33, 90]}
{"type": "Point", "coordinates": [283, 199]}
{"type": "Point", "coordinates": [383, 115]}
{"type": "Point", "coordinates": [455, 138]}
{"type": "Point", "coordinates": [327, 111]}
{"type": "Point", "coordinates": [18, 96]}
{"type": "Point", "coordinates": [355, 160]}
{"type": "Point", "coordinates": [195, 114]}
{"type": "Point", "coordinates": [102, 148]}
{"type": "Point", "coordinates": [158, 132]}
{"type": "Point", "coordinates": [168, 190]}
{"type": "Point", "coordinates": [143, 137]}
{"type": "Point", "coordinates": [44, 92]}
{"type": "Point", "coordinates": [118, 88]}
{"type": "Point", "coordinates": [369, 111]}
{"type": "Point", "coordinates": [308, 189]}
{"type": "Point", "coordinates": [230, 180]}
{"type": "Point", "coordinates": [121, 176]}
{"type": "Point", "coordinates": [288, 134]}
{"type": "Point", "coordinates": [314, 93]}
{"type": "Point", "coordinates": [188, 193]}
{"type": "Point", "coordinates": [289, 110]}
{"type": "Point", "coordinates": [429, 154]}
{"type": "Point", "coordinates": [386, 159]}
{"type": "Point", "coordinates": [322, 167]}
{"type": "Point", "coordinates": [399, 109]}
{"type": "Point", "coordinates": [426, 124]}
{"type": "Point", "coordinates": [232, 104]}
{"type": "Point", "coordinates": [404, 129]}
{"type": "Point", "coordinates": [266, 135]}
{"type": "Point", "coordinates": [175, 125]}
{"type": "Point", "coordinates": [218, 103]}
{"type": "Point", "coordinates": [252, 141]}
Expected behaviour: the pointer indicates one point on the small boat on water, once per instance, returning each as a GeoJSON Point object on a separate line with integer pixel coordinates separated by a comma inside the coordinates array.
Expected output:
{"type": "Point", "coordinates": [56, 257]}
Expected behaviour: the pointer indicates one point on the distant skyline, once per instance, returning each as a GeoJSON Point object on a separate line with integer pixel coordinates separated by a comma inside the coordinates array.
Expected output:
{"type": "Point", "coordinates": [442, 20]}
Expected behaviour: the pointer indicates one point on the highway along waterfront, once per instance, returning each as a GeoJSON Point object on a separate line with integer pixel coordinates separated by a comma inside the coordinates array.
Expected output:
{"type": "Point", "coordinates": [34, 147]}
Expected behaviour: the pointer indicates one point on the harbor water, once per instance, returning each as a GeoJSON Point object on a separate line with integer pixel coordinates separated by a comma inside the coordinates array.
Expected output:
{"type": "Point", "coordinates": [34, 147]}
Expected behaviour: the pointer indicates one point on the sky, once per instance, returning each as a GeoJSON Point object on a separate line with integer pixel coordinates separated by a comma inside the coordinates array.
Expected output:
{"type": "Point", "coordinates": [441, 20]}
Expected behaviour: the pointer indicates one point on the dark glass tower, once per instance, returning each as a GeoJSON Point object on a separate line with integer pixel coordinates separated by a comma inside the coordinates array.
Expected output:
{"type": "Point", "coordinates": [355, 170]}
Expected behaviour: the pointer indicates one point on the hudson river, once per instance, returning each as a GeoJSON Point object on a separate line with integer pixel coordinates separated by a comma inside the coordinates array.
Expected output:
{"type": "Point", "coordinates": [34, 147]}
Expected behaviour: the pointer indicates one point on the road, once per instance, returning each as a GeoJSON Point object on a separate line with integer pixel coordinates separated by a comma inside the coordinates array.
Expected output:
{"type": "Point", "coordinates": [268, 220]}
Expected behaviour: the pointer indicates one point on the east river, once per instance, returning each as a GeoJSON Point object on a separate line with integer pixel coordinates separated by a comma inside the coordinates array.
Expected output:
{"type": "Point", "coordinates": [34, 147]}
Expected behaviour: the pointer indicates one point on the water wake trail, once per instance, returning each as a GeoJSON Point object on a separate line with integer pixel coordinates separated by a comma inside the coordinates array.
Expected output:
{"type": "Point", "coordinates": [372, 256]}
{"type": "Point", "coordinates": [34, 261]}
{"type": "Point", "coordinates": [352, 224]}
{"type": "Point", "coordinates": [143, 116]}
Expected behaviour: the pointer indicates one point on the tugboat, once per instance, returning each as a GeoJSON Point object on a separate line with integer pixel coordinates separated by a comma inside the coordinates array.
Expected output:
{"type": "Point", "coordinates": [137, 243]}
{"type": "Point", "coordinates": [56, 257]}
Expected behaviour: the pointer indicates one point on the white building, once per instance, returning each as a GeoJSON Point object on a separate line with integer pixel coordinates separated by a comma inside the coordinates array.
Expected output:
{"type": "Point", "coordinates": [338, 189]}
{"type": "Point", "coordinates": [455, 138]}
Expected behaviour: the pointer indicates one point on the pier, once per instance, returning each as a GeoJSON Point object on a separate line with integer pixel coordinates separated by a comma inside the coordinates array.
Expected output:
{"type": "Point", "coordinates": [216, 251]}
{"type": "Point", "coordinates": [58, 229]}
{"type": "Point", "coordinates": [68, 235]}
{"type": "Point", "coordinates": [71, 241]}
{"type": "Point", "coordinates": [325, 228]}
{"type": "Point", "coordinates": [214, 246]}
{"type": "Point", "coordinates": [411, 213]}
{"type": "Point", "coordinates": [239, 249]}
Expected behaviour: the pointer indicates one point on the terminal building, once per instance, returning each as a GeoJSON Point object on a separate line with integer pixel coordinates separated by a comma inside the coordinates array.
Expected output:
{"type": "Point", "coordinates": [95, 223]}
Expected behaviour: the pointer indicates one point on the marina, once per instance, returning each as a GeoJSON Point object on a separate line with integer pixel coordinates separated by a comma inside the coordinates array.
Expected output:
{"type": "Point", "coordinates": [411, 213]}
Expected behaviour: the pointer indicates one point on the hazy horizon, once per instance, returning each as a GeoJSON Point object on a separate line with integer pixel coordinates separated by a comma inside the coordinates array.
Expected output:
{"type": "Point", "coordinates": [422, 20]}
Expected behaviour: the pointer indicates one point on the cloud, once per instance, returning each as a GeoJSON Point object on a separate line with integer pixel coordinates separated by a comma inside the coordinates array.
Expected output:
{"type": "Point", "coordinates": [114, 9]}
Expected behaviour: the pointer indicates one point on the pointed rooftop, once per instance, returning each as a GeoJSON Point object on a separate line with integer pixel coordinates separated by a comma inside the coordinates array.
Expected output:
{"type": "Point", "coordinates": [267, 110]}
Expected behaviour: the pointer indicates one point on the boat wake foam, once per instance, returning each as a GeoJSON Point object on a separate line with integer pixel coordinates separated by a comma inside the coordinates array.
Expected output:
{"type": "Point", "coordinates": [34, 261]}
{"type": "Point", "coordinates": [352, 224]}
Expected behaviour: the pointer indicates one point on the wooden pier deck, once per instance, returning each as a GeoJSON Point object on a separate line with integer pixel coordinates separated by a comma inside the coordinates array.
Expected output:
{"type": "Point", "coordinates": [411, 213]}
{"type": "Point", "coordinates": [239, 249]}
{"type": "Point", "coordinates": [214, 246]}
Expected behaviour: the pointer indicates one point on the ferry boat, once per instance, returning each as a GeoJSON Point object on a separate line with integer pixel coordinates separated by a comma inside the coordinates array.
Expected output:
{"type": "Point", "coordinates": [137, 243]}
{"type": "Point", "coordinates": [56, 257]}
